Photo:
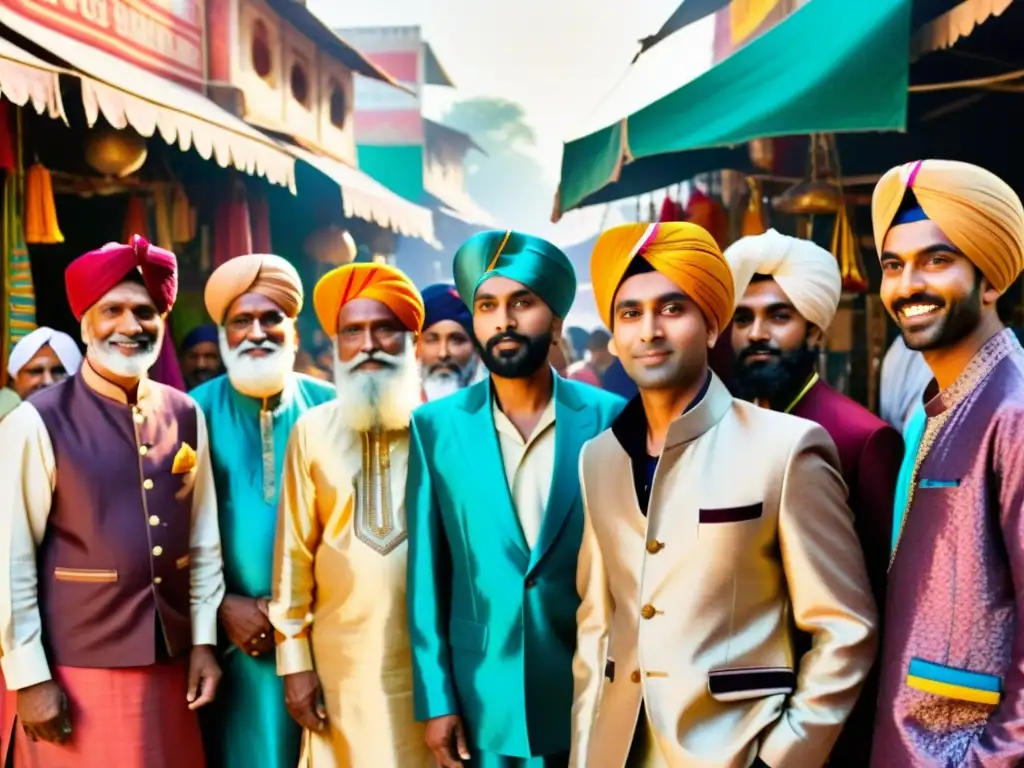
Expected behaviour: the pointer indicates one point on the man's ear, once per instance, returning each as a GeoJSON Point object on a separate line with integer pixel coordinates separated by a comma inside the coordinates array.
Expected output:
{"type": "Point", "coordinates": [612, 349]}
{"type": "Point", "coordinates": [713, 332]}
{"type": "Point", "coordinates": [815, 337]}
{"type": "Point", "coordinates": [556, 329]}
{"type": "Point", "coordinates": [989, 295]}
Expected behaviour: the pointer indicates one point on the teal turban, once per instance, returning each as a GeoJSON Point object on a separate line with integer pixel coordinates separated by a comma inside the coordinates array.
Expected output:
{"type": "Point", "coordinates": [535, 263]}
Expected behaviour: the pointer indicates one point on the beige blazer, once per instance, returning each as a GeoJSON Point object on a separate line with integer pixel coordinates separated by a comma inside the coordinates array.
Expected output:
{"type": "Point", "coordinates": [691, 608]}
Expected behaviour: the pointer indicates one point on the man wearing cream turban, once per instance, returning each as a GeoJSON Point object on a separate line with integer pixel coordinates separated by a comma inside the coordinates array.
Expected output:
{"type": "Point", "coordinates": [950, 238]}
{"type": "Point", "coordinates": [495, 519]}
{"type": "Point", "coordinates": [39, 360]}
{"type": "Point", "coordinates": [254, 300]}
{"type": "Point", "coordinates": [712, 526]}
{"type": "Point", "coordinates": [340, 562]}
{"type": "Point", "coordinates": [787, 292]}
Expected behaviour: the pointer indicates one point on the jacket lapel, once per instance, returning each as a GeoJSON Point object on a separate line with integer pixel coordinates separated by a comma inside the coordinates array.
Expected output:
{"type": "Point", "coordinates": [484, 466]}
{"type": "Point", "coordinates": [574, 425]}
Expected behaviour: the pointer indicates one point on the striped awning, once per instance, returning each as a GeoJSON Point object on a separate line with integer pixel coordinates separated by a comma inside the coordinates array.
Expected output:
{"type": "Point", "coordinates": [127, 95]}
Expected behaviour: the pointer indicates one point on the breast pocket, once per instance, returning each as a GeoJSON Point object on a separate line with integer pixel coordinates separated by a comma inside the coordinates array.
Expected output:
{"type": "Point", "coordinates": [725, 515]}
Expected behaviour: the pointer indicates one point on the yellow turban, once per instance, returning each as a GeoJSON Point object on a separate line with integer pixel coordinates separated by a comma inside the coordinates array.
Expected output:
{"type": "Point", "coordinates": [684, 253]}
{"type": "Point", "coordinates": [979, 213]}
{"type": "Point", "coordinates": [262, 273]}
{"type": "Point", "coordinates": [380, 282]}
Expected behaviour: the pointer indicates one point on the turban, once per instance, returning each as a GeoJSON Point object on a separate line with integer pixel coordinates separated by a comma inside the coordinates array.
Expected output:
{"type": "Point", "coordinates": [979, 213]}
{"type": "Point", "coordinates": [535, 263]}
{"type": "Point", "coordinates": [442, 302]}
{"type": "Point", "coordinates": [90, 277]}
{"type": "Point", "coordinates": [379, 282]}
{"type": "Point", "coordinates": [62, 345]}
{"type": "Point", "coordinates": [804, 270]}
{"type": "Point", "coordinates": [201, 335]}
{"type": "Point", "coordinates": [683, 252]}
{"type": "Point", "coordinates": [262, 273]}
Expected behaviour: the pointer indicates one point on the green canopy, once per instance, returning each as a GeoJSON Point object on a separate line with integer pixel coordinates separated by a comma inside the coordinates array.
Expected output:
{"type": "Point", "coordinates": [832, 66]}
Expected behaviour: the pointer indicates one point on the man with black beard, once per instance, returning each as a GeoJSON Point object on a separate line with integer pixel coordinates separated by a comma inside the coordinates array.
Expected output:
{"type": "Point", "coordinates": [446, 349]}
{"type": "Point", "coordinates": [495, 520]}
{"type": "Point", "coordinates": [787, 292]}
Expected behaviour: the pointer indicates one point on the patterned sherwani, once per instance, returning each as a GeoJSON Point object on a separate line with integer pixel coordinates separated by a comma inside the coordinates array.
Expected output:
{"type": "Point", "coordinates": [952, 689]}
{"type": "Point", "coordinates": [339, 590]}
{"type": "Point", "coordinates": [689, 610]}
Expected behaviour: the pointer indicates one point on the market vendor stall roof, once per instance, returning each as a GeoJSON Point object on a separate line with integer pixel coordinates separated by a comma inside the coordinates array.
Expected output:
{"type": "Point", "coordinates": [127, 95]}
{"type": "Point", "coordinates": [25, 79]}
{"type": "Point", "coordinates": [808, 74]}
{"type": "Point", "coordinates": [365, 198]}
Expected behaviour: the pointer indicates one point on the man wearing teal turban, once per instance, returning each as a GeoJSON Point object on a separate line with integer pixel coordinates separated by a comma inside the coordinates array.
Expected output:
{"type": "Point", "coordinates": [495, 519]}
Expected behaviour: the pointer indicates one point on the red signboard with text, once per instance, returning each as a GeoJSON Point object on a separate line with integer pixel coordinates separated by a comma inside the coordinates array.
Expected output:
{"type": "Point", "coordinates": [162, 36]}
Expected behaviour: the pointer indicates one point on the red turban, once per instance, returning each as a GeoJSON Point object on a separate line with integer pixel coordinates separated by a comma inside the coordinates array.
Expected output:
{"type": "Point", "coordinates": [90, 277]}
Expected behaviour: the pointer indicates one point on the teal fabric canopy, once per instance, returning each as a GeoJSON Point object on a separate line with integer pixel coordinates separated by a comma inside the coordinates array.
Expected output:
{"type": "Point", "coordinates": [832, 66]}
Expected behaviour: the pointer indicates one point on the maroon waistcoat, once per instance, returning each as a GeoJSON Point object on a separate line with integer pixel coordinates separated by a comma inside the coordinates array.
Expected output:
{"type": "Point", "coordinates": [114, 562]}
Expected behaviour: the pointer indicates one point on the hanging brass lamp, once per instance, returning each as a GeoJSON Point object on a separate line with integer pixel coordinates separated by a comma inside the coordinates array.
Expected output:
{"type": "Point", "coordinates": [812, 196]}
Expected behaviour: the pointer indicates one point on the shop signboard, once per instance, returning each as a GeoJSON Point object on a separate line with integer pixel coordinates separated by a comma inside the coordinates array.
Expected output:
{"type": "Point", "coordinates": [162, 36]}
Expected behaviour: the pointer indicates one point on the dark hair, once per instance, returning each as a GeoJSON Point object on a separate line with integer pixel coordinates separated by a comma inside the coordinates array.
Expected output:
{"type": "Point", "coordinates": [598, 340]}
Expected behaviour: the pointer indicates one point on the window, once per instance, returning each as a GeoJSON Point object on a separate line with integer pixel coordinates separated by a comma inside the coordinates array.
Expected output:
{"type": "Point", "coordinates": [262, 59]}
{"type": "Point", "coordinates": [300, 84]}
{"type": "Point", "coordinates": [339, 105]}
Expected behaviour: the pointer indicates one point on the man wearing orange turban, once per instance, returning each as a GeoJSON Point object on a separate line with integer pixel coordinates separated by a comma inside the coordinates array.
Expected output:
{"type": "Point", "coordinates": [340, 560]}
{"type": "Point", "coordinates": [111, 556]}
{"type": "Point", "coordinates": [254, 299]}
{"type": "Point", "coordinates": [747, 533]}
{"type": "Point", "coordinates": [950, 237]}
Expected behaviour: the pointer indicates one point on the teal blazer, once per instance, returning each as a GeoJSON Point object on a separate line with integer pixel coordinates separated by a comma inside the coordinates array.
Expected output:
{"type": "Point", "coordinates": [492, 623]}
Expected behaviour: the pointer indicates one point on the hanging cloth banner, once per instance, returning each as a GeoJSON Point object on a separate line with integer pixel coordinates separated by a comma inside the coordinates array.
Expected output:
{"type": "Point", "coordinates": [19, 292]}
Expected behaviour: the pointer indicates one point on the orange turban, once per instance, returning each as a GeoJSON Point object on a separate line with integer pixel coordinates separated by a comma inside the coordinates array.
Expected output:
{"type": "Point", "coordinates": [683, 252]}
{"type": "Point", "coordinates": [380, 282]}
{"type": "Point", "coordinates": [979, 213]}
{"type": "Point", "coordinates": [262, 273]}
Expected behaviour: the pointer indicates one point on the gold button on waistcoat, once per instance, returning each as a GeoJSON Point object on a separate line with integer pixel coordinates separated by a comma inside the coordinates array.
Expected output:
{"type": "Point", "coordinates": [158, 550]}
{"type": "Point", "coordinates": [654, 546]}
{"type": "Point", "coordinates": [143, 450]}
{"type": "Point", "coordinates": [157, 580]}
{"type": "Point", "coordinates": [154, 520]}
{"type": "Point", "coordinates": [139, 418]}
{"type": "Point", "coordinates": [648, 611]}
{"type": "Point", "coordinates": [635, 677]}
{"type": "Point", "coordinates": [147, 484]}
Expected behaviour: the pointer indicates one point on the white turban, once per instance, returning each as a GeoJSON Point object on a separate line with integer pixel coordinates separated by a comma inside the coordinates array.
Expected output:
{"type": "Point", "coordinates": [62, 345]}
{"type": "Point", "coordinates": [807, 273]}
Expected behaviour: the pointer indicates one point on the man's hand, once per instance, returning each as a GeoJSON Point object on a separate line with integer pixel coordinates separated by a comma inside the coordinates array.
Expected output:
{"type": "Point", "coordinates": [43, 712]}
{"type": "Point", "coordinates": [246, 624]}
{"type": "Point", "coordinates": [203, 676]}
{"type": "Point", "coordinates": [446, 738]}
{"type": "Point", "coordinates": [303, 700]}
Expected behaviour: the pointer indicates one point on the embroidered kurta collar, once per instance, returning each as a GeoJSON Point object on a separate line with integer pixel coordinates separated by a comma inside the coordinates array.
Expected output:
{"type": "Point", "coordinates": [111, 391]}
{"type": "Point", "coordinates": [987, 358]}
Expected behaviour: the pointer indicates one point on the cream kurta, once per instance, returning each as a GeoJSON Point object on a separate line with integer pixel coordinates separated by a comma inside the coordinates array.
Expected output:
{"type": "Point", "coordinates": [339, 590]}
{"type": "Point", "coordinates": [528, 466]}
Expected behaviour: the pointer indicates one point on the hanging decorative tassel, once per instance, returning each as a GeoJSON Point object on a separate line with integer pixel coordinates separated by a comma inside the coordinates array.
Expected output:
{"type": "Point", "coordinates": [162, 217]}
{"type": "Point", "coordinates": [753, 214]}
{"type": "Point", "coordinates": [183, 217]}
{"type": "Point", "coordinates": [847, 252]}
{"type": "Point", "coordinates": [259, 216]}
{"type": "Point", "coordinates": [136, 219]}
{"type": "Point", "coordinates": [41, 226]}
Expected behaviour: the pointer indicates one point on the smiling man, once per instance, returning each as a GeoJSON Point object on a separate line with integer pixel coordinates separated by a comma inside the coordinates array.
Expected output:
{"type": "Point", "coordinates": [712, 527]}
{"type": "Point", "coordinates": [495, 519]}
{"type": "Point", "coordinates": [41, 359]}
{"type": "Point", "coordinates": [447, 355]}
{"type": "Point", "coordinates": [950, 238]}
{"type": "Point", "coordinates": [339, 577]}
{"type": "Point", "coordinates": [254, 300]}
{"type": "Point", "coordinates": [108, 607]}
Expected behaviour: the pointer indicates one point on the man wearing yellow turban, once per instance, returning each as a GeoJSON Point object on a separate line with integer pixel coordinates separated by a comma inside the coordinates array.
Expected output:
{"type": "Point", "coordinates": [250, 412]}
{"type": "Point", "coordinates": [734, 528]}
{"type": "Point", "coordinates": [495, 519]}
{"type": "Point", "coordinates": [950, 238]}
{"type": "Point", "coordinates": [340, 560]}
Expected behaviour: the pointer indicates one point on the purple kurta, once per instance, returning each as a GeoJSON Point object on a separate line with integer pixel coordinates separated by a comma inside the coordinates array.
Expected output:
{"type": "Point", "coordinates": [953, 643]}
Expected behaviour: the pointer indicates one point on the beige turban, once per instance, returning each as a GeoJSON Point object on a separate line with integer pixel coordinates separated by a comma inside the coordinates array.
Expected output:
{"type": "Point", "coordinates": [265, 274]}
{"type": "Point", "coordinates": [807, 273]}
{"type": "Point", "coordinates": [979, 213]}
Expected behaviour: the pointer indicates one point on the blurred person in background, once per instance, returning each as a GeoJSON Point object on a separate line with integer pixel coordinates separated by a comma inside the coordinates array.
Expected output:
{"type": "Point", "coordinates": [200, 356]}
{"type": "Point", "coordinates": [597, 360]}
{"type": "Point", "coordinates": [40, 360]}
{"type": "Point", "coordinates": [445, 350]}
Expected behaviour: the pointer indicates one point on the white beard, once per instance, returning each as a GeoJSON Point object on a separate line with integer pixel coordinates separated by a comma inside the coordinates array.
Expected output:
{"type": "Point", "coordinates": [435, 387]}
{"type": "Point", "coordinates": [384, 398]}
{"type": "Point", "coordinates": [111, 359]}
{"type": "Point", "coordinates": [259, 377]}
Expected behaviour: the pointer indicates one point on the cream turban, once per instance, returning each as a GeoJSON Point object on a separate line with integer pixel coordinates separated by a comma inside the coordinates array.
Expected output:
{"type": "Point", "coordinates": [262, 273]}
{"type": "Point", "coordinates": [62, 345]}
{"type": "Point", "coordinates": [684, 253]}
{"type": "Point", "coordinates": [804, 270]}
{"type": "Point", "coordinates": [979, 213]}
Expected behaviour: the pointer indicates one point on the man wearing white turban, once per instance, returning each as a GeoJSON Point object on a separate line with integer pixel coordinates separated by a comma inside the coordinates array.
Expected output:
{"type": "Point", "coordinates": [42, 358]}
{"type": "Point", "coordinates": [787, 293]}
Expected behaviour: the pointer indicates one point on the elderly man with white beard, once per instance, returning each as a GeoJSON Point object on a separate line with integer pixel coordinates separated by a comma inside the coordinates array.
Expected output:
{"type": "Point", "coordinates": [250, 411]}
{"type": "Point", "coordinates": [340, 562]}
{"type": "Point", "coordinates": [111, 556]}
{"type": "Point", "coordinates": [447, 354]}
